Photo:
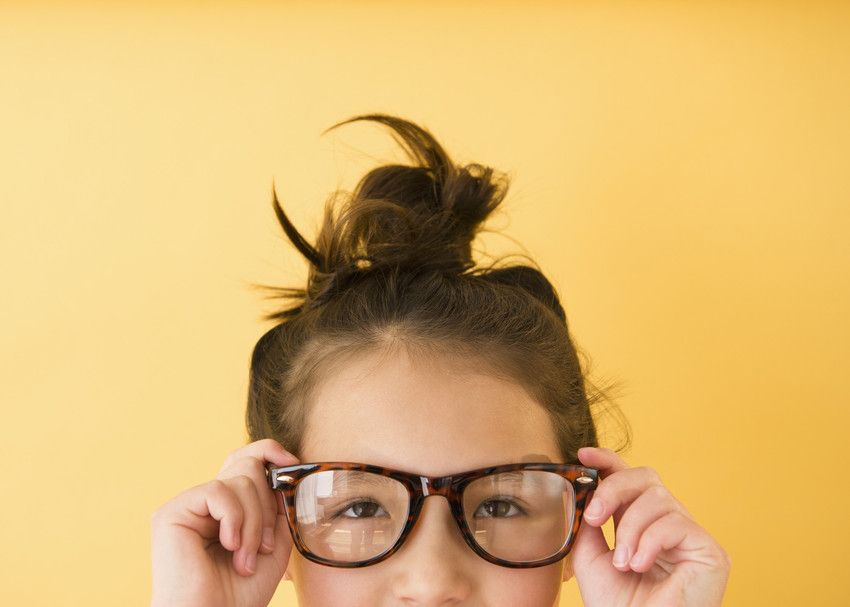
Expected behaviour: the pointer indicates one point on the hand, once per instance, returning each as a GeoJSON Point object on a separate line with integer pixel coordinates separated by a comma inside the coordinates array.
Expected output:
{"type": "Point", "coordinates": [662, 556]}
{"type": "Point", "coordinates": [210, 543]}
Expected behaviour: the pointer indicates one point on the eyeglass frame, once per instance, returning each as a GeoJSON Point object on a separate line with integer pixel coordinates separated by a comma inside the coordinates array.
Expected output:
{"type": "Point", "coordinates": [286, 479]}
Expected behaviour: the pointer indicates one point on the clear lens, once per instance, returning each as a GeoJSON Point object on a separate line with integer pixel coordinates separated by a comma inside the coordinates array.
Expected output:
{"type": "Point", "coordinates": [350, 515]}
{"type": "Point", "coordinates": [520, 516]}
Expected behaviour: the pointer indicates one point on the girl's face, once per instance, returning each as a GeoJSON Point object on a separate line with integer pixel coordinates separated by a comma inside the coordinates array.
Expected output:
{"type": "Point", "coordinates": [434, 419]}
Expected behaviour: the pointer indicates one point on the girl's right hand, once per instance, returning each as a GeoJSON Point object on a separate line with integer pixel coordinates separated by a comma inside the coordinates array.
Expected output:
{"type": "Point", "coordinates": [209, 543]}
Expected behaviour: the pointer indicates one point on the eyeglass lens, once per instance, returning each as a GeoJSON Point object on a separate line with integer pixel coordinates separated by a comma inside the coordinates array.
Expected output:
{"type": "Point", "coordinates": [351, 515]}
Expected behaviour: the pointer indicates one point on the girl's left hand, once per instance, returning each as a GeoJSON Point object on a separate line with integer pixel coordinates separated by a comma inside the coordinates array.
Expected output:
{"type": "Point", "coordinates": [662, 556]}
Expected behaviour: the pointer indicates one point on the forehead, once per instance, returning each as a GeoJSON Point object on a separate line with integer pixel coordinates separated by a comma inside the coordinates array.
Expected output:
{"type": "Point", "coordinates": [434, 416]}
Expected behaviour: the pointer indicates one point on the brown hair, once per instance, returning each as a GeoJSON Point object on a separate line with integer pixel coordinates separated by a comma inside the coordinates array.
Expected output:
{"type": "Point", "coordinates": [393, 268]}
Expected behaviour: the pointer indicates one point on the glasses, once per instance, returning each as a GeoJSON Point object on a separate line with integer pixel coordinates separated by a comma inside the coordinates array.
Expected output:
{"type": "Point", "coordinates": [344, 514]}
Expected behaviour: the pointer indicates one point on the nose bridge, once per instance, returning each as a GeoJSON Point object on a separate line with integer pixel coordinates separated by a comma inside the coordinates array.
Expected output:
{"type": "Point", "coordinates": [441, 486]}
{"type": "Point", "coordinates": [432, 568]}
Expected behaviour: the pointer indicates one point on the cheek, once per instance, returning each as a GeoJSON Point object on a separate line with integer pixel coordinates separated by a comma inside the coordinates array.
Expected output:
{"type": "Point", "coordinates": [320, 586]}
{"type": "Point", "coordinates": [538, 587]}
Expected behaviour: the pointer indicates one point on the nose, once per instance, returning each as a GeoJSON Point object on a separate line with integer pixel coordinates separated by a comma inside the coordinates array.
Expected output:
{"type": "Point", "coordinates": [432, 568]}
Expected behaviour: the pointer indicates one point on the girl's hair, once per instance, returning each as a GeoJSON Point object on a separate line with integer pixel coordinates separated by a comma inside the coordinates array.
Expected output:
{"type": "Point", "coordinates": [393, 268]}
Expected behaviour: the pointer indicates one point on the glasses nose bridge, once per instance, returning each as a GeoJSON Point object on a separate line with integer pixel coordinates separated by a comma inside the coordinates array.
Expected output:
{"type": "Point", "coordinates": [436, 486]}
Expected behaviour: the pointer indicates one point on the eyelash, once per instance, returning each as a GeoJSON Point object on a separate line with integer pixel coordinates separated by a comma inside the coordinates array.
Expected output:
{"type": "Point", "coordinates": [351, 504]}
{"type": "Point", "coordinates": [519, 509]}
{"type": "Point", "coordinates": [341, 512]}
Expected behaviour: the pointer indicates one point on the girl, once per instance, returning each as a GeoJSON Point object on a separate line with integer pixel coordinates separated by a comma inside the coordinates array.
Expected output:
{"type": "Point", "coordinates": [406, 373]}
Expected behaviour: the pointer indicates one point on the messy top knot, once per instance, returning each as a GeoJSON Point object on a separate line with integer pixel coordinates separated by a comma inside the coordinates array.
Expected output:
{"type": "Point", "coordinates": [420, 218]}
{"type": "Point", "coordinates": [393, 265]}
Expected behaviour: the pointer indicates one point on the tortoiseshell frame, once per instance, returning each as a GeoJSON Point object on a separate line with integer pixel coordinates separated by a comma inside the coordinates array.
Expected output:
{"type": "Point", "coordinates": [584, 481]}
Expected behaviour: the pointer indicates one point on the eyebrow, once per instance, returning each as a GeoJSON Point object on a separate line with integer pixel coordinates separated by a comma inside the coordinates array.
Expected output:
{"type": "Point", "coordinates": [512, 475]}
{"type": "Point", "coordinates": [517, 477]}
{"type": "Point", "coordinates": [377, 480]}
{"type": "Point", "coordinates": [368, 478]}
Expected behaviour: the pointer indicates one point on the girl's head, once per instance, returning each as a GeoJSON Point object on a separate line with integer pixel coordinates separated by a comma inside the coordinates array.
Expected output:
{"type": "Point", "coordinates": [402, 353]}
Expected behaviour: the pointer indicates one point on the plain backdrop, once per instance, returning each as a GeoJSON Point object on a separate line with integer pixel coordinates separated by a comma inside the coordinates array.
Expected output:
{"type": "Point", "coordinates": [680, 171]}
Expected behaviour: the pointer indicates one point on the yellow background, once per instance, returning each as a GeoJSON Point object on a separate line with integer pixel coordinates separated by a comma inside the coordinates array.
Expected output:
{"type": "Point", "coordinates": [680, 170]}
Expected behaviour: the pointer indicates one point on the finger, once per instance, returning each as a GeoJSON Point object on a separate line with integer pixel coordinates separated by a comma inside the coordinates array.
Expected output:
{"type": "Point", "coordinates": [607, 462]}
{"type": "Point", "coordinates": [604, 460]}
{"type": "Point", "coordinates": [617, 491]}
{"type": "Point", "coordinates": [250, 460]}
{"type": "Point", "coordinates": [211, 510]}
{"type": "Point", "coordinates": [651, 505]}
{"type": "Point", "coordinates": [283, 540]}
{"type": "Point", "coordinates": [255, 470]}
{"type": "Point", "coordinates": [275, 563]}
{"type": "Point", "coordinates": [265, 450]}
{"type": "Point", "coordinates": [245, 558]}
{"type": "Point", "coordinates": [281, 510]}
{"type": "Point", "coordinates": [666, 533]}
{"type": "Point", "coordinates": [590, 545]}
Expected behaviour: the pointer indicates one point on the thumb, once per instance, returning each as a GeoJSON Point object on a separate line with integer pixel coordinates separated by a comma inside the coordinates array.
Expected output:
{"type": "Point", "coordinates": [282, 543]}
{"type": "Point", "coordinates": [590, 545]}
{"type": "Point", "coordinates": [276, 563]}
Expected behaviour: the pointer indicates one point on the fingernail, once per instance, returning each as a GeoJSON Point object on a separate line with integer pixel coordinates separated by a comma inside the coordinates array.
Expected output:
{"type": "Point", "coordinates": [595, 509]}
{"type": "Point", "coordinates": [251, 562]}
{"type": "Point", "coordinates": [621, 555]}
{"type": "Point", "coordinates": [268, 538]}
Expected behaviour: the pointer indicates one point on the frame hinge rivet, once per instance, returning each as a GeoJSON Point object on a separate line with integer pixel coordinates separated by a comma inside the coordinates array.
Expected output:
{"type": "Point", "coordinates": [584, 480]}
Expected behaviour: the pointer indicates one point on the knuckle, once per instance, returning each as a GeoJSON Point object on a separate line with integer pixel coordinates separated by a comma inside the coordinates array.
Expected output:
{"type": "Point", "coordinates": [677, 517]}
{"type": "Point", "coordinates": [230, 457]}
{"type": "Point", "coordinates": [651, 474]}
{"type": "Point", "coordinates": [156, 517]}
{"type": "Point", "coordinates": [722, 559]}
{"type": "Point", "coordinates": [255, 465]}
{"type": "Point", "coordinates": [659, 492]}
{"type": "Point", "coordinates": [243, 481]}
{"type": "Point", "coordinates": [222, 493]}
{"type": "Point", "coordinates": [217, 486]}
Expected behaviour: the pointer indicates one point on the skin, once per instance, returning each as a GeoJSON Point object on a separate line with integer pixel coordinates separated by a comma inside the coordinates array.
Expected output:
{"type": "Point", "coordinates": [445, 420]}
{"type": "Point", "coordinates": [433, 418]}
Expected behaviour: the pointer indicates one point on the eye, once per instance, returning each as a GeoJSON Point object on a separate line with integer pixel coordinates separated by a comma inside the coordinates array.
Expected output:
{"type": "Point", "coordinates": [498, 508]}
{"type": "Point", "coordinates": [362, 509]}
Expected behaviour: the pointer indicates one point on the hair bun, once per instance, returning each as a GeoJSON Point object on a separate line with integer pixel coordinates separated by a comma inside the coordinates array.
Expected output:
{"type": "Point", "coordinates": [421, 217]}
{"type": "Point", "coordinates": [412, 216]}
